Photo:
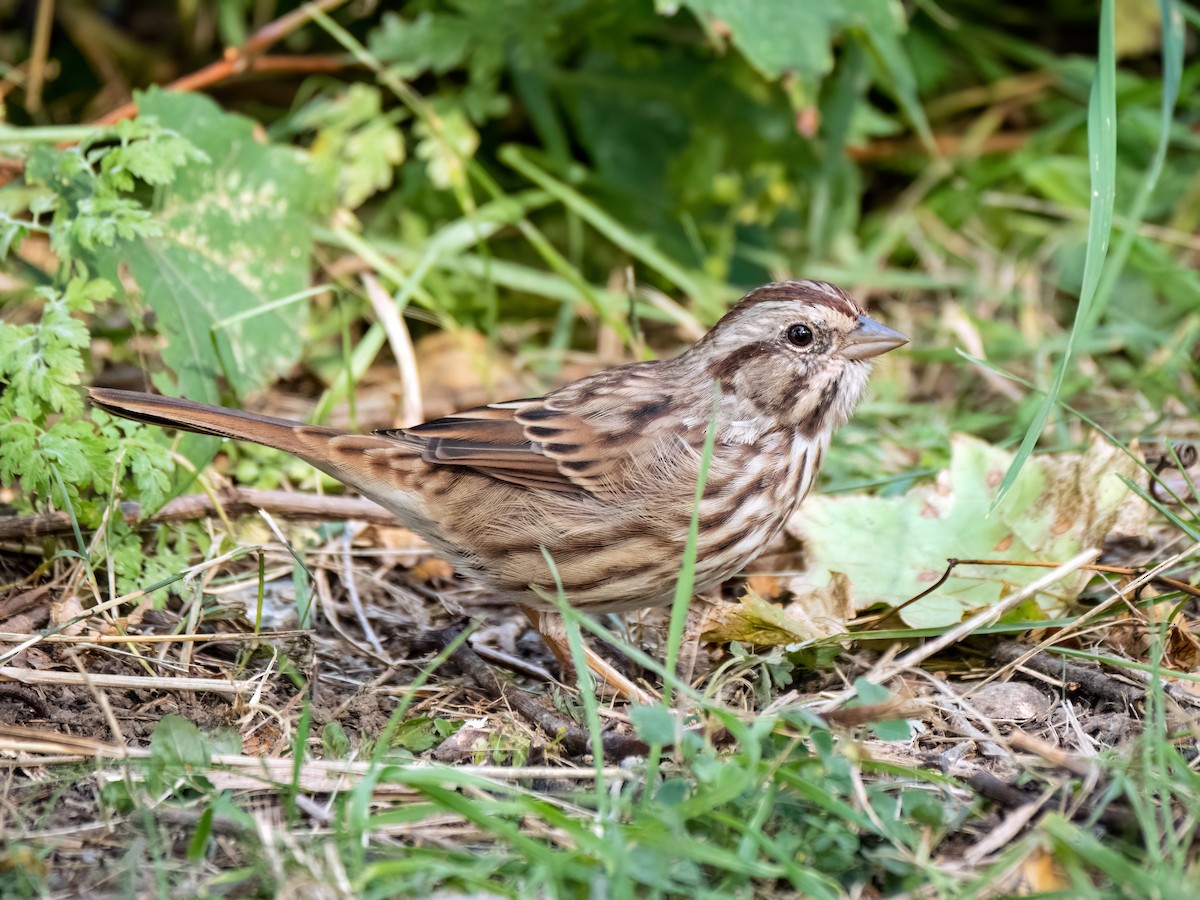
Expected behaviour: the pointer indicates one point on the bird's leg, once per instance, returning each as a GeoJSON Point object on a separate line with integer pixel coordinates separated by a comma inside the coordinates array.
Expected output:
{"type": "Point", "coordinates": [550, 626]}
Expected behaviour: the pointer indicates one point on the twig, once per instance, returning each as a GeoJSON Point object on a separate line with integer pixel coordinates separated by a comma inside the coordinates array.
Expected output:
{"type": "Point", "coordinates": [1092, 682]}
{"type": "Point", "coordinates": [236, 59]}
{"type": "Point", "coordinates": [918, 655]}
{"type": "Point", "coordinates": [10, 637]}
{"type": "Point", "coordinates": [351, 587]}
{"type": "Point", "coordinates": [316, 775]}
{"type": "Point", "coordinates": [988, 785]}
{"type": "Point", "coordinates": [37, 58]}
{"type": "Point", "coordinates": [947, 145]}
{"type": "Point", "coordinates": [235, 501]}
{"type": "Point", "coordinates": [574, 738]}
{"type": "Point", "coordinates": [133, 682]}
{"type": "Point", "coordinates": [1119, 596]}
{"type": "Point", "coordinates": [1127, 571]}
{"type": "Point", "coordinates": [952, 564]}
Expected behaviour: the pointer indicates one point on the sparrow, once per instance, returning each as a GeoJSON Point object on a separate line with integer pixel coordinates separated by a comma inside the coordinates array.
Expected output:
{"type": "Point", "coordinates": [601, 474]}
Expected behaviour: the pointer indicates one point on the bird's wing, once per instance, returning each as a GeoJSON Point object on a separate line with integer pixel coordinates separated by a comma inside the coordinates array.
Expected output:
{"type": "Point", "coordinates": [593, 435]}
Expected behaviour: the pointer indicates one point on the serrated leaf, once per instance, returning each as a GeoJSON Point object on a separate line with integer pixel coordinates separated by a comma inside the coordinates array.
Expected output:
{"type": "Point", "coordinates": [150, 153]}
{"type": "Point", "coordinates": [371, 155]}
{"type": "Point", "coordinates": [427, 43]}
{"type": "Point", "coordinates": [19, 457]}
{"type": "Point", "coordinates": [446, 143]}
{"type": "Point", "coordinates": [355, 141]}
{"type": "Point", "coordinates": [152, 474]}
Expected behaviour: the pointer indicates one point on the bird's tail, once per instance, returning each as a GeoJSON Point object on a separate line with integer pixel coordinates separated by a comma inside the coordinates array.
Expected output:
{"type": "Point", "coordinates": [362, 461]}
{"type": "Point", "coordinates": [203, 418]}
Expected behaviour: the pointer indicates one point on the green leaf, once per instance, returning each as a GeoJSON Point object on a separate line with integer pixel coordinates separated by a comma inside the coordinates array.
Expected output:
{"type": "Point", "coordinates": [198, 845]}
{"type": "Point", "coordinates": [428, 43]}
{"type": "Point", "coordinates": [423, 733]}
{"type": "Point", "coordinates": [446, 142]}
{"type": "Point", "coordinates": [356, 142]}
{"type": "Point", "coordinates": [41, 363]}
{"type": "Point", "coordinates": [178, 751]}
{"type": "Point", "coordinates": [177, 743]}
{"type": "Point", "coordinates": [1057, 507]}
{"type": "Point", "coordinates": [1102, 160]}
{"type": "Point", "coordinates": [779, 37]}
{"type": "Point", "coordinates": [334, 741]}
{"type": "Point", "coordinates": [148, 153]}
{"type": "Point", "coordinates": [654, 724]}
{"type": "Point", "coordinates": [869, 693]}
{"type": "Point", "coordinates": [233, 236]}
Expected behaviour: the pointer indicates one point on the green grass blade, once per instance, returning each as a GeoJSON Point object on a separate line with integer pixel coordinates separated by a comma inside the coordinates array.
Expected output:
{"type": "Point", "coordinates": [687, 571]}
{"type": "Point", "coordinates": [1172, 62]}
{"type": "Point", "coordinates": [633, 244]}
{"type": "Point", "coordinates": [1102, 156]}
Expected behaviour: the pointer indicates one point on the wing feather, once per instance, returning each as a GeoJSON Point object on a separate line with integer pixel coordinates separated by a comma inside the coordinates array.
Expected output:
{"type": "Point", "coordinates": [588, 436]}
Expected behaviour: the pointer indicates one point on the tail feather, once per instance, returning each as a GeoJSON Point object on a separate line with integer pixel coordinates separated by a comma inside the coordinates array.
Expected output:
{"type": "Point", "coordinates": [203, 418]}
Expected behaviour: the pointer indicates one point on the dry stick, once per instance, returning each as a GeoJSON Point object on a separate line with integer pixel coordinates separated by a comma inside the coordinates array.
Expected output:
{"type": "Point", "coordinates": [1092, 682]}
{"type": "Point", "coordinates": [282, 769]}
{"type": "Point", "coordinates": [574, 738]}
{"type": "Point", "coordinates": [235, 501]}
{"type": "Point", "coordinates": [134, 682]}
{"type": "Point", "coordinates": [953, 563]}
{"type": "Point", "coordinates": [412, 412]}
{"type": "Point", "coordinates": [947, 145]}
{"type": "Point", "coordinates": [1132, 588]}
{"type": "Point", "coordinates": [918, 655]}
{"type": "Point", "coordinates": [351, 586]}
{"type": "Point", "coordinates": [12, 637]}
{"type": "Point", "coordinates": [1176, 584]}
{"type": "Point", "coordinates": [37, 59]}
{"type": "Point", "coordinates": [240, 59]}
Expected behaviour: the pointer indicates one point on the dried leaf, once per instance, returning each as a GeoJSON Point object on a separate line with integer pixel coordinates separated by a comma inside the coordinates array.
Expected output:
{"type": "Point", "coordinates": [821, 612]}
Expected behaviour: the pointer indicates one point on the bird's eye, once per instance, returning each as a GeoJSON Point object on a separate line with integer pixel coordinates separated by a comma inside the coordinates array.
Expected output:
{"type": "Point", "coordinates": [799, 335]}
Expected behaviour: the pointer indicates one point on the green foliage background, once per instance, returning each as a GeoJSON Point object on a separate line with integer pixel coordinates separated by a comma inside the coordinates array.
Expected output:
{"type": "Point", "coordinates": [523, 163]}
{"type": "Point", "coordinates": [538, 169]}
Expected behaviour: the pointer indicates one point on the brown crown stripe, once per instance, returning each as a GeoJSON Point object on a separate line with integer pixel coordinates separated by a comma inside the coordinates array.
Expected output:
{"type": "Point", "coordinates": [795, 291]}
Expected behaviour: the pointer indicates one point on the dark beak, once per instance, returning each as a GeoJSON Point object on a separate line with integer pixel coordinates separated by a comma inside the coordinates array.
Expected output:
{"type": "Point", "coordinates": [871, 339]}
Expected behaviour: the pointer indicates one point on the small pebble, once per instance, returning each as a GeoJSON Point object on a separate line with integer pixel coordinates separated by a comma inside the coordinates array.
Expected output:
{"type": "Point", "coordinates": [1010, 701]}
